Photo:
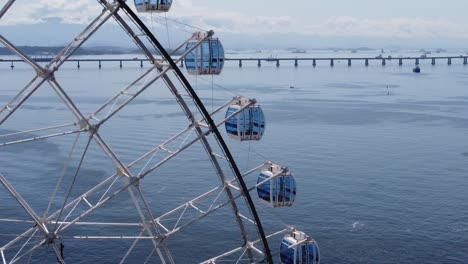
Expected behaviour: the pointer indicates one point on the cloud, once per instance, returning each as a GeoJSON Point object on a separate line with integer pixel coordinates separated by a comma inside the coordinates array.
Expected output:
{"type": "Point", "coordinates": [398, 27]}
{"type": "Point", "coordinates": [39, 11]}
{"type": "Point", "coordinates": [222, 21]}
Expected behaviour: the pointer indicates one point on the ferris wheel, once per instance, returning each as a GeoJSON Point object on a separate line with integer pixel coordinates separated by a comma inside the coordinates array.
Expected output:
{"type": "Point", "coordinates": [136, 209]}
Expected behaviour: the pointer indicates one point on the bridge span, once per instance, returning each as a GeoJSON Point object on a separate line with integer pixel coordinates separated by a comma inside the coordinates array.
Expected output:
{"type": "Point", "coordinates": [365, 61]}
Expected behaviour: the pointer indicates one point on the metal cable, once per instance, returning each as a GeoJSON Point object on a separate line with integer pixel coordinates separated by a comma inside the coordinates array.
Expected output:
{"type": "Point", "coordinates": [185, 24]}
{"type": "Point", "coordinates": [59, 181]}
{"type": "Point", "coordinates": [73, 181]}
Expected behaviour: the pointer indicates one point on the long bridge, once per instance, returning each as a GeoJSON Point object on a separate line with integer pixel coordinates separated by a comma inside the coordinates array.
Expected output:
{"type": "Point", "coordinates": [332, 60]}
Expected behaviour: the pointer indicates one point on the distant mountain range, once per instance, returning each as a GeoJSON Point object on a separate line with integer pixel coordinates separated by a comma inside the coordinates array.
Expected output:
{"type": "Point", "coordinates": [50, 51]}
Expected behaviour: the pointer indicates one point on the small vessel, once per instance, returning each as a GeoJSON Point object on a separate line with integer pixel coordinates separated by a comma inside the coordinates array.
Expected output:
{"type": "Point", "coordinates": [298, 51]}
{"type": "Point", "coordinates": [271, 58]}
{"type": "Point", "coordinates": [417, 69]}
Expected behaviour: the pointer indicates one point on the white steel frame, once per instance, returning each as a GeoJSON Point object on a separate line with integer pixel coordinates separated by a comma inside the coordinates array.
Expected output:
{"type": "Point", "coordinates": [49, 227]}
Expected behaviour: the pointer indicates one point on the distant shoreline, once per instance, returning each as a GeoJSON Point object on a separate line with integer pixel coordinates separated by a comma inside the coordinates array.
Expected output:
{"type": "Point", "coordinates": [40, 51]}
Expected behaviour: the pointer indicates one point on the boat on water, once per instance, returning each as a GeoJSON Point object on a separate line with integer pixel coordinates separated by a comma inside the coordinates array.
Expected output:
{"type": "Point", "coordinates": [417, 69]}
{"type": "Point", "coordinates": [298, 51]}
{"type": "Point", "coordinates": [271, 58]}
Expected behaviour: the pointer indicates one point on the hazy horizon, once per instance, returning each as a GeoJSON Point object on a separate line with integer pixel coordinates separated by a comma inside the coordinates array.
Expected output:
{"type": "Point", "coordinates": [305, 24]}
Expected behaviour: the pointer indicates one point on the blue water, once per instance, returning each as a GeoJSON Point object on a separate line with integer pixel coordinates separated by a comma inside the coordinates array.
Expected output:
{"type": "Point", "coordinates": [382, 173]}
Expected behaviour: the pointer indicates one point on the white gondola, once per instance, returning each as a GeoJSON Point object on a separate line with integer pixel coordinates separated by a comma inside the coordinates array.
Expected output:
{"type": "Point", "coordinates": [157, 6]}
{"type": "Point", "coordinates": [277, 186]}
{"type": "Point", "coordinates": [207, 58]}
{"type": "Point", "coordinates": [298, 248]}
{"type": "Point", "coordinates": [248, 124]}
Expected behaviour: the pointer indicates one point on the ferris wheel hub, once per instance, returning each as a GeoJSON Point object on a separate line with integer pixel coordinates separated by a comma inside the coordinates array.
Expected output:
{"type": "Point", "coordinates": [50, 237]}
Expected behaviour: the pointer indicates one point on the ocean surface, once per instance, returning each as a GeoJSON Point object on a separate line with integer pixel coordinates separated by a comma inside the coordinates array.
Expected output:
{"type": "Point", "coordinates": [380, 156]}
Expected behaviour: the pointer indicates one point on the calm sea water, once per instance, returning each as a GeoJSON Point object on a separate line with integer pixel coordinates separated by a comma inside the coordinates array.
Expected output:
{"type": "Point", "coordinates": [382, 173]}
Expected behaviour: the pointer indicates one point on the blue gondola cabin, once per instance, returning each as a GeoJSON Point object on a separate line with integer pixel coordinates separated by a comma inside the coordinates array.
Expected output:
{"type": "Point", "coordinates": [276, 186]}
{"type": "Point", "coordinates": [205, 59]}
{"type": "Point", "coordinates": [298, 248]}
{"type": "Point", "coordinates": [157, 6]}
{"type": "Point", "coordinates": [248, 123]}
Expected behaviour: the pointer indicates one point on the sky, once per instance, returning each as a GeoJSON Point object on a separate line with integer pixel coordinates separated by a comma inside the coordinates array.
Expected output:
{"type": "Point", "coordinates": [259, 23]}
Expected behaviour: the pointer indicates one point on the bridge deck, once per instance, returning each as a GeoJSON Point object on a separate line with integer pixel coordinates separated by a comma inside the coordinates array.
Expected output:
{"type": "Point", "coordinates": [384, 60]}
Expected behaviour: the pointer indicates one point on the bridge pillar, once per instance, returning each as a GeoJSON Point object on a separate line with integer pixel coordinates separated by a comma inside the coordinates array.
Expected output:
{"type": "Point", "coordinates": [182, 63]}
{"type": "Point", "coordinates": [416, 62]}
{"type": "Point", "coordinates": [465, 61]}
{"type": "Point", "coordinates": [449, 61]}
{"type": "Point", "coordinates": [277, 63]}
{"type": "Point", "coordinates": [332, 63]}
{"type": "Point", "coordinates": [400, 62]}
{"type": "Point", "coordinates": [240, 63]}
{"type": "Point", "coordinates": [433, 61]}
{"type": "Point", "coordinates": [314, 62]}
{"type": "Point", "coordinates": [99, 65]}
{"type": "Point", "coordinates": [141, 63]}
{"type": "Point", "coordinates": [349, 62]}
{"type": "Point", "coordinates": [12, 66]}
{"type": "Point", "coordinates": [78, 64]}
{"type": "Point", "coordinates": [296, 63]}
{"type": "Point", "coordinates": [366, 62]}
{"type": "Point", "coordinates": [121, 64]}
{"type": "Point", "coordinates": [384, 62]}
{"type": "Point", "coordinates": [259, 63]}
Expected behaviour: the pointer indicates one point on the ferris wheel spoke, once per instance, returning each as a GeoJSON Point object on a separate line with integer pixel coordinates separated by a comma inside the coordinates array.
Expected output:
{"type": "Point", "coordinates": [69, 103]}
{"type": "Point", "coordinates": [6, 7]}
{"type": "Point", "coordinates": [145, 222]}
{"type": "Point", "coordinates": [202, 136]}
{"type": "Point", "coordinates": [184, 107]}
{"type": "Point", "coordinates": [132, 246]}
{"type": "Point", "coordinates": [23, 203]}
{"type": "Point", "coordinates": [66, 133]}
{"type": "Point", "coordinates": [72, 184]}
{"type": "Point", "coordinates": [135, 37]}
{"type": "Point", "coordinates": [162, 74]}
{"type": "Point", "coordinates": [30, 251]}
{"type": "Point", "coordinates": [58, 61]}
{"type": "Point", "coordinates": [82, 37]}
{"type": "Point", "coordinates": [20, 54]}
{"type": "Point", "coordinates": [252, 245]}
{"type": "Point", "coordinates": [14, 104]}
{"type": "Point", "coordinates": [60, 178]}
{"type": "Point", "coordinates": [130, 32]}
{"type": "Point", "coordinates": [93, 130]}
{"type": "Point", "coordinates": [180, 211]}
{"type": "Point", "coordinates": [25, 244]}
{"type": "Point", "coordinates": [132, 97]}
{"type": "Point", "coordinates": [58, 254]}
{"type": "Point", "coordinates": [18, 238]}
{"type": "Point", "coordinates": [111, 102]}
